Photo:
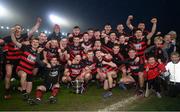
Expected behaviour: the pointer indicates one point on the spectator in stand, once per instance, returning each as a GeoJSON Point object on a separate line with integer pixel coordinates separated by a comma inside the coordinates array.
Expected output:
{"type": "Point", "coordinates": [56, 34]}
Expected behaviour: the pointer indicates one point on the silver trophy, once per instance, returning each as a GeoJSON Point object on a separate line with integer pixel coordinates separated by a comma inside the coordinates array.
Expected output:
{"type": "Point", "coordinates": [78, 86]}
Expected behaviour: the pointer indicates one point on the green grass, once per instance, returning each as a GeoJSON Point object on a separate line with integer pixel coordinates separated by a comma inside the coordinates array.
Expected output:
{"type": "Point", "coordinates": [89, 101]}
{"type": "Point", "coordinates": [67, 101]}
{"type": "Point", "coordinates": [154, 104]}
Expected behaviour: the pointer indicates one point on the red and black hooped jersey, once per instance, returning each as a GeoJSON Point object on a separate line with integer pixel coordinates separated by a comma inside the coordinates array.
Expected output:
{"type": "Point", "coordinates": [75, 69]}
{"type": "Point", "coordinates": [13, 52]}
{"type": "Point", "coordinates": [124, 48]}
{"type": "Point", "coordinates": [135, 67]}
{"type": "Point", "coordinates": [89, 43]}
{"type": "Point", "coordinates": [90, 64]}
{"type": "Point", "coordinates": [102, 49]}
{"type": "Point", "coordinates": [109, 46]}
{"type": "Point", "coordinates": [51, 52]}
{"type": "Point", "coordinates": [139, 45]}
{"type": "Point", "coordinates": [117, 58]}
{"type": "Point", "coordinates": [87, 46]}
{"type": "Point", "coordinates": [42, 45]}
{"type": "Point", "coordinates": [27, 59]}
{"type": "Point", "coordinates": [75, 50]}
{"type": "Point", "coordinates": [104, 68]}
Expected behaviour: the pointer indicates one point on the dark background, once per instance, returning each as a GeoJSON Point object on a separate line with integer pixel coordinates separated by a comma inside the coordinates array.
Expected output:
{"type": "Point", "coordinates": [95, 13]}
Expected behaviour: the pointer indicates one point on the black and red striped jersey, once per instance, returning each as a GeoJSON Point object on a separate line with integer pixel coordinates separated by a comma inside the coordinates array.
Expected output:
{"type": "Point", "coordinates": [27, 59]}
{"type": "Point", "coordinates": [51, 52]}
{"type": "Point", "coordinates": [139, 45]}
{"type": "Point", "coordinates": [117, 58]}
{"type": "Point", "coordinates": [91, 64]}
{"type": "Point", "coordinates": [134, 66]}
{"type": "Point", "coordinates": [13, 52]}
{"type": "Point", "coordinates": [75, 69]}
{"type": "Point", "coordinates": [109, 46]}
{"type": "Point", "coordinates": [124, 48]}
{"type": "Point", "coordinates": [103, 67]}
{"type": "Point", "coordinates": [75, 50]}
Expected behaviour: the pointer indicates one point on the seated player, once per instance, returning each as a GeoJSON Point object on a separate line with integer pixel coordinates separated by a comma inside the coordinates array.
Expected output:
{"type": "Point", "coordinates": [52, 74]}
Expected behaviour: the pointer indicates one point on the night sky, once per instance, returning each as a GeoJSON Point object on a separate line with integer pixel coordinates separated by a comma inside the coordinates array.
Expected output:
{"type": "Point", "coordinates": [94, 13]}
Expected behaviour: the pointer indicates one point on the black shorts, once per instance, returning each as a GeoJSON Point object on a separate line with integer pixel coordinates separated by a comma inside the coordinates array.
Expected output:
{"type": "Point", "coordinates": [136, 78]}
{"type": "Point", "coordinates": [49, 86]}
{"type": "Point", "coordinates": [29, 78]}
{"type": "Point", "coordinates": [12, 62]}
{"type": "Point", "coordinates": [73, 78]}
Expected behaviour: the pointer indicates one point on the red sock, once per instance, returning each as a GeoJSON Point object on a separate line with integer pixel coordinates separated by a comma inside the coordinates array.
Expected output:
{"type": "Point", "coordinates": [39, 93]}
{"type": "Point", "coordinates": [54, 91]}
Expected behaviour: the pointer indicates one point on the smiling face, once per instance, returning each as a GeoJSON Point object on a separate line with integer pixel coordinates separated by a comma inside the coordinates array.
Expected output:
{"type": "Point", "coordinates": [54, 43]}
{"type": "Point", "coordinates": [116, 49]}
{"type": "Point", "coordinates": [42, 37]}
{"type": "Point", "coordinates": [76, 41]}
{"type": "Point", "coordinates": [77, 59]}
{"type": "Point", "coordinates": [175, 58]}
{"type": "Point", "coordinates": [151, 60]}
{"type": "Point", "coordinates": [120, 27]}
{"type": "Point", "coordinates": [54, 61]}
{"type": "Point", "coordinates": [97, 44]}
{"type": "Point", "coordinates": [64, 42]}
{"type": "Point", "coordinates": [113, 36]}
{"type": "Point", "coordinates": [18, 30]}
{"type": "Point", "coordinates": [90, 55]}
{"type": "Point", "coordinates": [122, 39]}
{"type": "Point", "coordinates": [132, 53]}
{"type": "Point", "coordinates": [138, 34]}
{"type": "Point", "coordinates": [35, 43]}
{"type": "Point", "coordinates": [91, 33]}
{"type": "Point", "coordinates": [76, 31]}
{"type": "Point", "coordinates": [141, 26]}
{"type": "Point", "coordinates": [167, 38]}
{"type": "Point", "coordinates": [107, 28]}
{"type": "Point", "coordinates": [98, 55]}
{"type": "Point", "coordinates": [86, 37]}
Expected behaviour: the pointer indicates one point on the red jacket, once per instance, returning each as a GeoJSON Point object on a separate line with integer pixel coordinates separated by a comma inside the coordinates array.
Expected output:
{"type": "Point", "coordinates": [154, 70]}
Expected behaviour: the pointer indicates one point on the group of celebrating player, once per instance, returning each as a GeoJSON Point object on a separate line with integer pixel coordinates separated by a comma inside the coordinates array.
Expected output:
{"type": "Point", "coordinates": [109, 57]}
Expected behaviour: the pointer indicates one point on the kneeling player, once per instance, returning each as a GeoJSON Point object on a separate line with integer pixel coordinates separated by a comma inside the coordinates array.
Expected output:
{"type": "Point", "coordinates": [74, 70]}
{"type": "Point", "coordinates": [51, 82]}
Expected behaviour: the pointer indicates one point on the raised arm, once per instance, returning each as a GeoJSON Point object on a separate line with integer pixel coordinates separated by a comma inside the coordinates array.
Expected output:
{"type": "Point", "coordinates": [19, 45]}
{"type": "Point", "coordinates": [153, 30]}
{"type": "Point", "coordinates": [128, 22]}
{"type": "Point", "coordinates": [36, 27]}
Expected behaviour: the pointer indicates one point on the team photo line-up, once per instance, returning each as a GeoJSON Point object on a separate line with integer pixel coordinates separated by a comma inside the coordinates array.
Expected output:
{"type": "Point", "coordinates": [145, 60]}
